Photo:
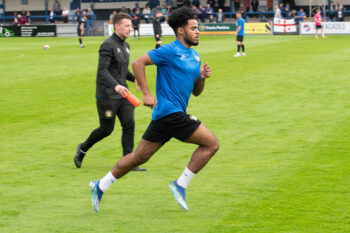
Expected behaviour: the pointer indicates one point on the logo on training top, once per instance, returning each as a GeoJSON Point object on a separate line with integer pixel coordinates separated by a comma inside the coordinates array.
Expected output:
{"type": "Point", "coordinates": [197, 58]}
{"type": "Point", "coordinates": [127, 50]}
{"type": "Point", "coordinates": [118, 50]}
{"type": "Point", "coordinates": [108, 113]}
{"type": "Point", "coordinates": [307, 27]}
{"type": "Point", "coordinates": [183, 57]}
{"type": "Point", "coordinates": [193, 118]}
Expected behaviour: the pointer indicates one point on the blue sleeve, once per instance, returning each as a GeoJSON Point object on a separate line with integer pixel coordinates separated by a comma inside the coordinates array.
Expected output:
{"type": "Point", "coordinates": [161, 55]}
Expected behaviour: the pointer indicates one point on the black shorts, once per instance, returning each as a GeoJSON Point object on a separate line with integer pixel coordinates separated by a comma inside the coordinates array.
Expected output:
{"type": "Point", "coordinates": [178, 125]}
{"type": "Point", "coordinates": [240, 38]}
{"type": "Point", "coordinates": [79, 32]}
{"type": "Point", "coordinates": [108, 108]}
{"type": "Point", "coordinates": [319, 26]}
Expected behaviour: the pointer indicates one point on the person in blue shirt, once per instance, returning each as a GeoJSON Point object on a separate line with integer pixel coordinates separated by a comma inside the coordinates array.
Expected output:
{"type": "Point", "coordinates": [301, 16]}
{"type": "Point", "coordinates": [179, 74]}
{"type": "Point", "coordinates": [240, 35]}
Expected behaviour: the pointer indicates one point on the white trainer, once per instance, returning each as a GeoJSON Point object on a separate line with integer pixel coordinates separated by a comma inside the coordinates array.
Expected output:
{"type": "Point", "coordinates": [237, 55]}
{"type": "Point", "coordinates": [243, 54]}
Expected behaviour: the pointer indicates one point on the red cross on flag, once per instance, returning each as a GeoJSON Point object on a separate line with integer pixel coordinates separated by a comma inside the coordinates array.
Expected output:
{"type": "Point", "coordinates": [284, 25]}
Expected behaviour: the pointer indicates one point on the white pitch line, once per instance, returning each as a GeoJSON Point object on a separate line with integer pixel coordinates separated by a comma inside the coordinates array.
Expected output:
{"type": "Point", "coordinates": [16, 57]}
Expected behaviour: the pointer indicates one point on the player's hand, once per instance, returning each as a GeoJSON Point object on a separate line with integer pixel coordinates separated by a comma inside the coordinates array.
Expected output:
{"type": "Point", "coordinates": [137, 87]}
{"type": "Point", "coordinates": [205, 71]}
{"type": "Point", "coordinates": [157, 35]}
{"type": "Point", "coordinates": [149, 100]}
{"type": "Point", "coordinates": [121, 90]}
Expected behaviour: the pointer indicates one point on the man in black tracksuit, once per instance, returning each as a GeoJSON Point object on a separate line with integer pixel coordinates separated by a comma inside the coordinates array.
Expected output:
{"type": "Point", "coordinates": [111, 85]}
{"type": "Point", "coordinates": [157, 28]}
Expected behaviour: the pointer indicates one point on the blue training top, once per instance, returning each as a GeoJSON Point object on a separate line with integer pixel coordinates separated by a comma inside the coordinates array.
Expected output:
{"type": "Point", "coordinates": [241, 23]}
{"type": "Point", "coordinates": [177, 69]}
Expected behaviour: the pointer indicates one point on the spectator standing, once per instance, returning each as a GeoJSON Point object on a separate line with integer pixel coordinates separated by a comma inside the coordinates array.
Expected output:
{"type": "Point", "coordinates": [301, 16]}
{"type": "Point", "coordinates": [262, 8]}
{"type": "Point", "coordinates": [255, 5]}
{"type": "Point", "coordinates": [57, 7]}
{"type": "Point", "coordinates": [15, 19]}
{"type": "Point", "coordinates": [282, 10]}
{"type": "Point", "coordinates": [286, 12]}
{"type": "Point", "coordinates": [29, 19]}
{"type": "Point", "coordinates": [52, 16]}
{"type": "Point", "coordinates": [111, 16]}
{"type": "Point", "coordinates": [209, 10]}
{"type": "Point", "coordinates": [198, 12]}
{"type": "Point", "coordinates": [90, 13]}
{"type": "Point", "coordinates": [220, 17]}
{"type": "Point", "coordinates": [65, 14]}
{"type": "Point", "coordinates": [146, 13]}
{"type": "Point", "coordinates": [332, 11]}
{"type": "Point", "coordinates": [77, 14]}
{"type": "Point", "coordinates": [278, 14]}
{"type": "Point", "coordinates": [340, 13]}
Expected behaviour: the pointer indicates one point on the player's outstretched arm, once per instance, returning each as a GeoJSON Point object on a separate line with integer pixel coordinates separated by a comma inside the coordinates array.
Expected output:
{"type": "Point", "coordinates": [205, 72]}
{"type": "Point", "coordinates": [138, 67]}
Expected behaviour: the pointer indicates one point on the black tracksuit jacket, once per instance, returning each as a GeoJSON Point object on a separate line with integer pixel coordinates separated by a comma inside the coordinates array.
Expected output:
{"type": "Point", "coordinates": [113, 67]}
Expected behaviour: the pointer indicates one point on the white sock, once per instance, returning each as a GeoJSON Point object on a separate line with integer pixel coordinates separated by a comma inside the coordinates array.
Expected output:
{"type": "Point", "coordinates": [185, 178]}
{"type": "Point", "coordinates": [106, 181]}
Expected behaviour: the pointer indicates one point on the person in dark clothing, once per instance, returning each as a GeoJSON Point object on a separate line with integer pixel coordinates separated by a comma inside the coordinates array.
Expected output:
{"type": "Point", "coordinates": [136, 25]}
{"type": "Point", "coordinates": [255, 5]}
{"type": "Point", "coordinates": [157, 28]}
{"type": "Point", "coordinates": [111, 87]}
{"type": "Point", "coordinates": [340, 13]}
{"type": "Point", "coordinates": [81, 29]}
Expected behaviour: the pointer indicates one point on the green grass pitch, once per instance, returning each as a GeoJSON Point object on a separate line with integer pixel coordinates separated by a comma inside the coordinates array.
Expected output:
{"type": "Point", "coordinates": [281, 114]}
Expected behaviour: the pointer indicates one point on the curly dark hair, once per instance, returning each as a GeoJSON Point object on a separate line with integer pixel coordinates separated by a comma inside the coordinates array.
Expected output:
{"type": "Point", "coordinates": [179, 17]}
